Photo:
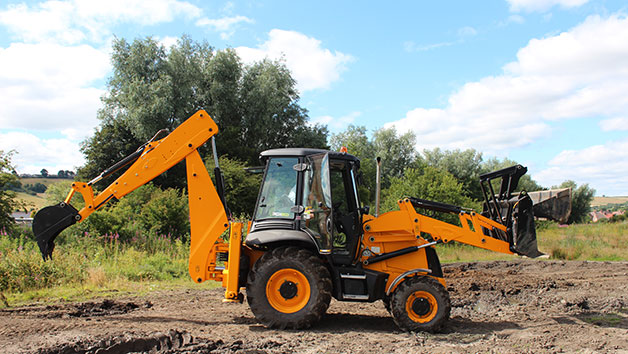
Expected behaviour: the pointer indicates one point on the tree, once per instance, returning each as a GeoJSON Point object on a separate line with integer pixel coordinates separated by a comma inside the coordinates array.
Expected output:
{"type": "Point", "coordinates": [241, 187]}
{"type": "Point", "coordinates": [525, 182]}
{"type": "Point", "coordinates": [255, 106]}
{"type": "Point", "coordinates": [397, 153]}
{"type": "Point", "coordinates": [465, 166]}
{"type": "Point", "coordinates": [61, 174]}
{"type": "Point", "coordinates": [356, 141]}
{"type": "Point", "coordinates": [44, 172]}
{"type": "Point", "coordinates": [432, 184]}
{"type": "Point", "coordinates": [8, 203]}
{"type": "Point", "coordinates": [581, 198]}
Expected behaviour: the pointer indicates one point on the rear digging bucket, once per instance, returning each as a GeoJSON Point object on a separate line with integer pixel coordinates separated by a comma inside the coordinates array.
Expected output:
{"type": "Point", "coordinates": [49, 222]}
{"type": "Point", "coordinates": [524, 231]}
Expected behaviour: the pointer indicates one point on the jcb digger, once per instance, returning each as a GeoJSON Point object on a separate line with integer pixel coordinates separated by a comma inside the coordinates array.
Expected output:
{"type": "Point", "coordinates": [310, 239]}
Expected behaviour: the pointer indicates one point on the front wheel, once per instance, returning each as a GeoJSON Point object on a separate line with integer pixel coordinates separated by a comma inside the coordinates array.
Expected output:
{"type": "Point", "coordinates": [289, 288]}
{"type": "Point", "coordinates": [420, 304]}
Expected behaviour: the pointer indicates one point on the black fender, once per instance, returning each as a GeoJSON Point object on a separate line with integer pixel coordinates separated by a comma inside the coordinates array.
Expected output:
{"type": "Point", "coordinates": [266, 239]}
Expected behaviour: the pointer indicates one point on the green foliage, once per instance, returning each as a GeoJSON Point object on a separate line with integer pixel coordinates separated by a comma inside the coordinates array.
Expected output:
{"type": "Point", "coordinates": [465, 166]}
{"type": "Point", "coordinates": [525, 182]}
{"type": "Point", "coordinates": [618, 218]}
{"type": "Point", "coordinates": [89, 260]}
{"type": "Point", "coordinates": [36, 188]}
{"type": "Point", "coordinates": [146, 212]}
{"type": "Point", "coordinates": [56, 193]}
{"type": "Point", "coordinates": [151, 88]}
{"type": "Point", "coordinates": [581, 198]}
{"type": "Point", "coordinates": [8, 203]}
{"type": "Point", "coordinates": [431, 184]}
{"type": "Point", "coordinates": [397, 153]}
{"type": "Point", "coordinates": [241, 187]}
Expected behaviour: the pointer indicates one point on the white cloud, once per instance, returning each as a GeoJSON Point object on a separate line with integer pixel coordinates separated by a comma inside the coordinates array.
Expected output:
{"type": "Point", "coordinates": [619, 123]}
{"type": "Point", "coordinates": [467, 31]}
{"type": "Point", "coordinates": [602, 166]}
{"type": "Point", "coordinates": [411, 46]}
{"type": "Point", "coordinates": [226, 25]}
{"type": "Point", "coordinates": [312, 66]}
{"type": "Point", "coordinates": [462, 34]}
{"type": "Point", "coordinates": [35, 153]}
{"type": "Point", "coordinates": [579, 73]}
{"type": "Point", "coordinates": [542, 5]}
{"type": "Point", "coordinates": [168, 41]}
{"type": "Point", "coordinates": [47, 86]}
{"type": "Point", "coordinates": [74, 21]}
{"type": "Point", "coordinates": [337, 123]}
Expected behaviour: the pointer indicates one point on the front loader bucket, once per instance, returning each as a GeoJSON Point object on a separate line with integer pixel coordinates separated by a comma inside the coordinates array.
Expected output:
{"type": "Point", "coordinates": [49, 222]}
{"type": "Point", "coordinates": [524, 231]}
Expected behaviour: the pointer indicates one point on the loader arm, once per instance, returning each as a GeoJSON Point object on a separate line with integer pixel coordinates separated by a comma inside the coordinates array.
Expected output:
{"type": "Point", "coordinates": [208, 218]}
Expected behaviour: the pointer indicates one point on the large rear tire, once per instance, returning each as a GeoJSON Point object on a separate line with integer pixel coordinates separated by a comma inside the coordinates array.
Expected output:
{"type": "Point", "coordinates": [420, 304]}
{"type": "Point", "coordinates": [289, 288]}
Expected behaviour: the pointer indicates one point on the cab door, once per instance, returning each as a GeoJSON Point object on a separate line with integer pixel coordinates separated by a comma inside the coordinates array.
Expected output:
{"type": "Point", "coordinates": [317, 217]}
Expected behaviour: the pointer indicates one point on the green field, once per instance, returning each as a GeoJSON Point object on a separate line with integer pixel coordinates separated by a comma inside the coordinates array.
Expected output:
{"type": "Point", "coordinates": [32, 201]}
{"type": "Point", "coordinates": [44, 181]}
{"type": "Point", "coordinates": [36, 201]}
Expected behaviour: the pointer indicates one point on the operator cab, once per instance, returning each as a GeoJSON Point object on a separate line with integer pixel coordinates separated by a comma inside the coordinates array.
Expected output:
{"type": "Point", "coordinates": [309, 197]}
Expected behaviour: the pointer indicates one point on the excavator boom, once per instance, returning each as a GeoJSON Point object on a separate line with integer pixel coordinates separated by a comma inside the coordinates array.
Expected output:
{"type": "Point", "coordinates": [208, 217]}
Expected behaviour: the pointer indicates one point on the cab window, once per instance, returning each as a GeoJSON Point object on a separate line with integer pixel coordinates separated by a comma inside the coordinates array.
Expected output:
{"type": "Point", "coordinates": [278, 193]}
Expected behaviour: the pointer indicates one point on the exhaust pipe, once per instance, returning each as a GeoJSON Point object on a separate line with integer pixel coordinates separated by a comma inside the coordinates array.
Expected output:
{"type": "Point", "coordinates": [378, 183]}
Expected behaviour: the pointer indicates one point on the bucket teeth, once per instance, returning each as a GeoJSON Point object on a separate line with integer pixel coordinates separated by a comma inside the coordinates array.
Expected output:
{"type": "Point", "coordinates": [49, 222]}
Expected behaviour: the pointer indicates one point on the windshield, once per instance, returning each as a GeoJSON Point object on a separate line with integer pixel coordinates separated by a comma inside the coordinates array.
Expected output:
{"type": "Point", "coordinates": [278, 193]}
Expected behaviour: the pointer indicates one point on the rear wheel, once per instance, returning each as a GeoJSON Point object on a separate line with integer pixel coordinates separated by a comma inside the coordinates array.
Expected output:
{"type": "Point", "coordinates": [420, 304]}
{"type": "Point", "coordinates": [289, 288]}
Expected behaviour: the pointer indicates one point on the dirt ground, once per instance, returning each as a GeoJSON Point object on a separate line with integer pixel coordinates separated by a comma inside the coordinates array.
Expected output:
{"type": "Point", "coordinates": [521, 306]}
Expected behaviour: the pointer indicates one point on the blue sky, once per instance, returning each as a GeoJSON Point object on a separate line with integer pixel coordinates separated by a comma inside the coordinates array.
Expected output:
{"type": "Point", "coordinates": [543, 82]}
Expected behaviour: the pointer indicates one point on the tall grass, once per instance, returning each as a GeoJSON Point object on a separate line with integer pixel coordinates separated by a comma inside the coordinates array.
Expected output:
{"type": "Point", "coordinates": [90, 260]}
{"type": "Point", "coordinates": [594, 242]}
{"type": "Point", "coordinates": [85, 261]}
{"type": "Point", "coordinates": [598, 242]}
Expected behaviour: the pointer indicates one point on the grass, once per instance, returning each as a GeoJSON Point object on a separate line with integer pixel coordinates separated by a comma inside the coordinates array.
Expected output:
{"type": "Point", "coordinates": [87, 266]}
{"type": "Point", "coordinates": [599, 201]}
{"type": "Point", "coordinates": [605, 320]}
{"type": "Point", "coordinates": [33, 201]}
{"type": "Point", "coordinates": [45, 181]}
{"type": "Point", "coordinates": [593, 242]}
{"type": "Point", "coordinates": [90, 266]}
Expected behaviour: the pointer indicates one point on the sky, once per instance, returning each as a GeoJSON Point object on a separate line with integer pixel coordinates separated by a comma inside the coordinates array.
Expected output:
{"type": "Point", "coordinates": [541, 82]}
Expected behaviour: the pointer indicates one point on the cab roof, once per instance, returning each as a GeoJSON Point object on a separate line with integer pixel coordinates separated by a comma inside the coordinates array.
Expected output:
{"type": "Point", "coordinates": [299, 152]}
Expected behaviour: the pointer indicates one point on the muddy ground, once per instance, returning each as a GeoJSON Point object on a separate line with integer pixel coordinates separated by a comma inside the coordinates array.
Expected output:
{"type": "Point", "coordinates": [522, 306]}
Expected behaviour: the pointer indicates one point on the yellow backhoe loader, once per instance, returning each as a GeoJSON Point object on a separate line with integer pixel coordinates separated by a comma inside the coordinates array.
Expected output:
{"type": "Point", "coordinates": [310, 239]}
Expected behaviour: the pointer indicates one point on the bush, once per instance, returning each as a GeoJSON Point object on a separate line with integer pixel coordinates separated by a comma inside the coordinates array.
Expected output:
{"type": "Point", "coordinates": [147, 211]}
{"type": "Point", "coordinates": [433, 184]}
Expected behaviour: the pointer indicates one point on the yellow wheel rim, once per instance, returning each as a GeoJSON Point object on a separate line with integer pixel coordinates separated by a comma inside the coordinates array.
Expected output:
{"type": "Point", "coordinates": [288, 290]}
{"type": "Point", "coordinates": [421, 307]}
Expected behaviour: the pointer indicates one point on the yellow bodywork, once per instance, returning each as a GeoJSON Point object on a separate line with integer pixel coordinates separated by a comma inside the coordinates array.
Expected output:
{"type": "Point", "coordinates": [405, 227]}
{"type": "Point", "coordinates": [389, 232]}
{"type": "Point", "coordinates": [208, 219]}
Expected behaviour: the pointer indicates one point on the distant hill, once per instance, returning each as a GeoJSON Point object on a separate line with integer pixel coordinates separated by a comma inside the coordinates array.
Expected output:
{"type": "Point", "coordinates": [37, 201]}
{"type": "Point", "coordinates": [600, 201]}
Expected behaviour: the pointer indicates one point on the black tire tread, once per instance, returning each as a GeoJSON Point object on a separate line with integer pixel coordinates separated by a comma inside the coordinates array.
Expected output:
{"type": "Point", "coordinates": [407, 287]}
{"type": "Point", "coordinates": [312, 266]}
